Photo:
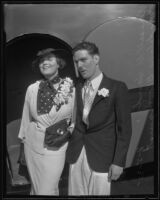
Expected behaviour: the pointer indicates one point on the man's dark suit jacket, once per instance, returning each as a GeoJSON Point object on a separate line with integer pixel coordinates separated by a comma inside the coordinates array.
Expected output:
{"type": "Point", "coordinates": [107, 139]}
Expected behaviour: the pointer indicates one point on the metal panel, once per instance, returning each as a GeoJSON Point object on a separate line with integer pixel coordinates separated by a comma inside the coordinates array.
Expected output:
{"type": "Point", "coordinates": [126, 49]}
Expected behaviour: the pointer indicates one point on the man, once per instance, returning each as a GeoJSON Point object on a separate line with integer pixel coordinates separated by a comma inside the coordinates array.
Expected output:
{"type": "Point", "coordinates": [99, 144]}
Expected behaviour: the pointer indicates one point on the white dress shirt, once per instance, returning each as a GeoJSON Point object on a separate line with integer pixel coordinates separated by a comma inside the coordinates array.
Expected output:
{"type": "Point", "coordinates": [95, 84]}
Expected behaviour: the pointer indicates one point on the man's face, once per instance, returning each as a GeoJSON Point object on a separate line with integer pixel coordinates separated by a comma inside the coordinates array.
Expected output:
{"type": "Point", "coordinates": [86, 63]}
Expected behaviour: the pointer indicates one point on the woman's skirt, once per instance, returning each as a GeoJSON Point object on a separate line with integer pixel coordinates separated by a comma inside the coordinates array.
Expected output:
{"type": "Point", "coordinates": [45, 170]}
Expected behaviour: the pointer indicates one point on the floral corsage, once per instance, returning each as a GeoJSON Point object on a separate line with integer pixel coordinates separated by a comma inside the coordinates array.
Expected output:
{"type": "Point", "coordinates": [64, 92]}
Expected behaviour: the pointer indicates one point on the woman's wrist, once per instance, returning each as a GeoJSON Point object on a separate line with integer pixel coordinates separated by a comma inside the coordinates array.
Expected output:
{"type": "Point", "coordinates": [71, 127]}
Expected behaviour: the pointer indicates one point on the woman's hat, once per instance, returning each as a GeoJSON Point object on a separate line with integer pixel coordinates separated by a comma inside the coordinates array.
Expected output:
{"type": "Point", "coordinates": [44, 52]}
{"type": "Point", "coordinates": [60, 53]}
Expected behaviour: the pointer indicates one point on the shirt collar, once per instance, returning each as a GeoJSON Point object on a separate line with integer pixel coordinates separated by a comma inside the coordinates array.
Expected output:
{"type": "Point", "coordinates": [96, 81]}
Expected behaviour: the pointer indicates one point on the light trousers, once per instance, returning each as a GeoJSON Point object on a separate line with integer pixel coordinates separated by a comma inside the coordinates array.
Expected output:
{"type": "Point", "coordinates": [85, 181]}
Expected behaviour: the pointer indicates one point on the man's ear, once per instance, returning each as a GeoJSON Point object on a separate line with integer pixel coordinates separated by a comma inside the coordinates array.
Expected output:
{"type": "Point", "coordinates": [96, 58]}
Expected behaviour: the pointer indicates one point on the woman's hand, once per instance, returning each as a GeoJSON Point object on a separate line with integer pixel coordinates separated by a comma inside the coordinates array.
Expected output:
{"type": "Point", "coordinates": [21, 159]}
{"type": "Point", "coordinates": [71, 128]}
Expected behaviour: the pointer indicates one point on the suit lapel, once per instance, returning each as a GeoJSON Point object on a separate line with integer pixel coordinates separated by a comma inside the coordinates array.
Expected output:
{"type": "Point", "coordinates": [104, 84]}
{"type": "Point", "coordinates": [79, 95]}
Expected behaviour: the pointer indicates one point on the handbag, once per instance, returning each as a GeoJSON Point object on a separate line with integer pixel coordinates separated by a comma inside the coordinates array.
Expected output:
{"type": "Point", "coordinates": [57, 134]}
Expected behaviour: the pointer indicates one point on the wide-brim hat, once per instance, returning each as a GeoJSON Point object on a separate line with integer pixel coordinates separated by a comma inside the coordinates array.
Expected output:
{"type": "Point", "coordinates": [60, 53]}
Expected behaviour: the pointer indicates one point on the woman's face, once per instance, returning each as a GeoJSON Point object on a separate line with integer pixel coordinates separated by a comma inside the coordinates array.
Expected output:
{"type": "Point", "coordinates": [49, 67]}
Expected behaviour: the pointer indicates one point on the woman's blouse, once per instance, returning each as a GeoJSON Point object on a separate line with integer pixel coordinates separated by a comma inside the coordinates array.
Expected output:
{"type": "Point", "coordinates": [34, 123]}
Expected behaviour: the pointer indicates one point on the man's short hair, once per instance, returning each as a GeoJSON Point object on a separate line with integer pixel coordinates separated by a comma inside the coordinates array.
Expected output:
{"type": "Point", "coordinates": [89, 46]}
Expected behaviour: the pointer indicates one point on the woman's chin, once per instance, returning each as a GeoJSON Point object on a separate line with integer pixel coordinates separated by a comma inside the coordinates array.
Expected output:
{"type": "Point", "coordinates": [49, 76]}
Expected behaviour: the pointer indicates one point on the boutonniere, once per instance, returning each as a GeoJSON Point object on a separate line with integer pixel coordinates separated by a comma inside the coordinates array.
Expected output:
{"type": "Point", "coordinates": [103, 92]}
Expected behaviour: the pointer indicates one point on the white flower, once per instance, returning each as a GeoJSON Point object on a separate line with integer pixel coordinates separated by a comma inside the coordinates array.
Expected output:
{"type": "Point", "coordinates": [56, 100]}
{"type": "Point", "coordinates": [65, 88]}
{"type": "Point", "coordinates": [69, 80]}
{"type": "Point", "coordinates": [64, 92]}
{"type": "Point", "coordinates": [104, 92]}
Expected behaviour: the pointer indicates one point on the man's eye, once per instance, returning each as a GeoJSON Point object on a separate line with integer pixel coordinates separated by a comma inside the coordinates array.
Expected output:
{"type": "Point", "coordinates": [84, 59]}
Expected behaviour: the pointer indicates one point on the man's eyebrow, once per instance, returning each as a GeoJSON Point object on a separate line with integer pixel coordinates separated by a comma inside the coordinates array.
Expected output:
{"type": "Point", "coordinates": [83, 58]}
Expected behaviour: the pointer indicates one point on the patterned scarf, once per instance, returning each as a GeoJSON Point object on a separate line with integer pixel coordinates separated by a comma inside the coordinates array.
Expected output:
{"type": "Point", "coordinates": [45, 95]}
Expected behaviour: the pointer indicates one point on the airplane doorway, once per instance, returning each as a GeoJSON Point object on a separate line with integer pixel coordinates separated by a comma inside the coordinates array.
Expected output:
{"type": "Point", "coordinates": [19, 55]}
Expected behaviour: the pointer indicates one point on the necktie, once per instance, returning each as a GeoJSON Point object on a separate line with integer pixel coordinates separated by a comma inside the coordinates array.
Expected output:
{"type": "Point", "coordinates": [88, 90]}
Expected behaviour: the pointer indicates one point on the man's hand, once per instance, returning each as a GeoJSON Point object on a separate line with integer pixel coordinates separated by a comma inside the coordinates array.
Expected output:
{"type": "Point", "coordinates": [114, 172]}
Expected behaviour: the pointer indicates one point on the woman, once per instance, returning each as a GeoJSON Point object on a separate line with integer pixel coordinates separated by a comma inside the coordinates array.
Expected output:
{"type": "Point", "coordinates": [43, 108]}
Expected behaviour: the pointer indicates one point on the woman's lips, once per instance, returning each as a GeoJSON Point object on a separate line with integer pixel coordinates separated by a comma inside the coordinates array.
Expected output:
{"type": "Point", "coordinates": [46, 67]}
